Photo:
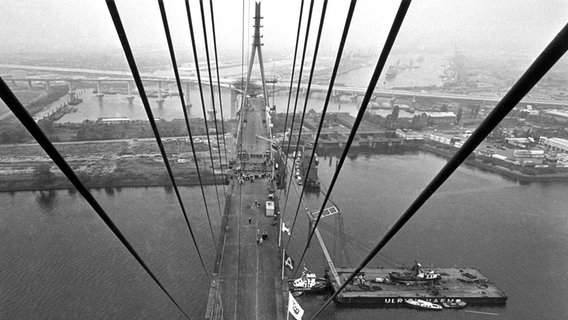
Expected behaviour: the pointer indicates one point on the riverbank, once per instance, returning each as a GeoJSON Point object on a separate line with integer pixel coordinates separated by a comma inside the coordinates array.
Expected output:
{"type": "Point", "coordinates": [499, 169]}
{"type": "Point", "coordinates": [111, 163]}
{"type": "Point", "coordinates": [106, 182]}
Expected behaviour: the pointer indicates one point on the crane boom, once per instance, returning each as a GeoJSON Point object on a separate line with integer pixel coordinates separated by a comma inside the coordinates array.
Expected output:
{"type": "Point", "coordinates": [328, 257]}
{"type": "Point", "coordinates": [331, 210]}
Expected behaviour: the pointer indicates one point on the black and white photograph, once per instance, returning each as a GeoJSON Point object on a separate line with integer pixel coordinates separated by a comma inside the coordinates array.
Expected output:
{"type": "Point", "coordinates": [283, 160]}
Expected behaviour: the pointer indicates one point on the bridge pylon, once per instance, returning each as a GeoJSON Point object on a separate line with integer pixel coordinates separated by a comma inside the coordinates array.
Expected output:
{"type": "Point", "coordinates": [256, 46]}
{"type": "Point", "coordinates": [99, 93]}
{"type": "Point", "coordinates": [129, 97]}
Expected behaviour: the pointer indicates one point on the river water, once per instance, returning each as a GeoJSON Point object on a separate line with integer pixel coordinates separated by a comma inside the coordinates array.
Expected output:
{"type": "Point", "coordinates": [117, 105]}
{"type": "Point", "coordinates": [60, 262]}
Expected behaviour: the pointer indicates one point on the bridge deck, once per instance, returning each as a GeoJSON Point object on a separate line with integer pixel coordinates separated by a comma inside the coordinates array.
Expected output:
{"type": "Point", "coordinates": [249, 276]}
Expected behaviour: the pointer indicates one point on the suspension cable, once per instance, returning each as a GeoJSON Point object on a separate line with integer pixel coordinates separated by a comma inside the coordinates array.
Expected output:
{"type": "Point", "coordinates": [292, 75]}
{"type": "Point", "coordinates": [543, 63]}
{"type": "Point", "coordinates": [196, 59]}
{"type": "Point", "coordinates": [399, 18]}
{"type": "Point", "coordinates": [368, 94]}
{"type": "Point", "coordinates": [212, 87]}
{"type": "Point", "coordinates": [328, 96]}
{"type": "Point", "coordinates": [26, 119]}
{"type": "Point", "coordinates": [242, 49]}
{"type": "Point", "coordinates": [310, 78]}
{"type": "Point", "coordinates": [295, 106]}
{"type": "Point", "coordinates": [300, 74]}
{"type": "Point", "coordinates": [182, 100]}
{"type": "Point", "coordinates": [138, 80]}
{"type": "Point", "coordinates": [218, 80]}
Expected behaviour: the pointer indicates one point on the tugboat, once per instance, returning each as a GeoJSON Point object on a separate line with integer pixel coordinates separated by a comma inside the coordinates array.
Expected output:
{"type": "Point", "coordinates": [308, 283]}
{"type": "Point", "coordinates": [421, 304]}
{"type": "Point", "coordinates": [416, 274]}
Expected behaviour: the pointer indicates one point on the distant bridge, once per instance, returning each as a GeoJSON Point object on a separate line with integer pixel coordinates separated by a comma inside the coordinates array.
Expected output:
{"type": "Point", "coordinates": [353, 92]}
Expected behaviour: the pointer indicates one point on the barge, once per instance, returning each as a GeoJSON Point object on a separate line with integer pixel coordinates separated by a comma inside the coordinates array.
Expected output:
{"type": "Point", "coordinates": [374, 287]}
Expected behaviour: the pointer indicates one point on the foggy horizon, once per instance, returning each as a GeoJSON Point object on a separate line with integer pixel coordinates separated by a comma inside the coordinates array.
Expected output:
{"type": "Point", "coordinates": [484, 28]}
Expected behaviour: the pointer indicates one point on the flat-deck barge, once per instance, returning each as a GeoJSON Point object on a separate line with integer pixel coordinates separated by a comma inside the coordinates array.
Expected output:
{"type": "Point", "coordinates": [376, 288]}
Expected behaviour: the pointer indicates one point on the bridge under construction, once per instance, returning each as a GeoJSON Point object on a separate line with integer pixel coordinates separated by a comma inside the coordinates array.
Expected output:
{"type": "Point", "coordinates": [247, 281]}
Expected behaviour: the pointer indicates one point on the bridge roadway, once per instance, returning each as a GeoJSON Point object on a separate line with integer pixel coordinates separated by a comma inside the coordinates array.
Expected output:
{"type": "Point", "coordinates": [249, 278]}
{"type": "Point", "coordinates": [227, 83]}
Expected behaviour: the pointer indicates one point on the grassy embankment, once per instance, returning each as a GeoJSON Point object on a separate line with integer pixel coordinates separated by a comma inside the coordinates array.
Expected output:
{"type": "Point", "coordinates": [104, 164]}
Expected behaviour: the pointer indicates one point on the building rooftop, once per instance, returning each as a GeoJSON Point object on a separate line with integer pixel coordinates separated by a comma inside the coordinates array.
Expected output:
{"type": "Point", "coordinates": [557, 113]}
{"type": "Point", "coordinates": [440, 114]}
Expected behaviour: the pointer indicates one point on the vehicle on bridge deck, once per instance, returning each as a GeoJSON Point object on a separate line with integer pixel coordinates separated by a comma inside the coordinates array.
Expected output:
{"type": "Point", "coordinates": [269, 208]}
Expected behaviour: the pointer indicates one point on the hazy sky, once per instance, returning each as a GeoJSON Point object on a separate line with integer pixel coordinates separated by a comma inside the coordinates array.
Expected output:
{"type": "Point", "coordinates": [487, 26]}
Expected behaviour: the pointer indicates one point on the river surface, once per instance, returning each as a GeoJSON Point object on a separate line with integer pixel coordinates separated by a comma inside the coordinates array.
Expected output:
{"type": "Point", "coordinates": [60, 262]}
{"type": "Point", "coordinates": [117, 105]}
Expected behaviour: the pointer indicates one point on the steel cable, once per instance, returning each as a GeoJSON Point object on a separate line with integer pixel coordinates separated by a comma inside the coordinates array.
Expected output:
{"type": "Point", "coordinates": [295, 106]}
{"type": "Point", "coordinates": [544, 62]}
{"type": "Point", "coordinates": [300, 73]}
{"type": "Point", "coordinates": [328, 96]}
{"type": "Point", "coordinates": [310, 78]}
{"type": "Point", "coordinates": [138, 80]}
{"type": "Point", "coordinates": [26, 119]}
{"type": "Point", "coordinates": [397, 23]}
{"type": "Point", "coordinates": [186, 117]}
{"type": "Point", "coordinates": [211, 86]}
{"type": "Point", "coordinates": [218, 80]}
{"type": "Point", "coordinates": [292, 77]}
{"type": "Point", "coordinates": [551, 54]}
{"type": "Point", "coordinates": [196, 59]}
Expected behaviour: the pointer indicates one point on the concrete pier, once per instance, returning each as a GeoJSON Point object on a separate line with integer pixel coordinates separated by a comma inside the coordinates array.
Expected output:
{"type": "Point", "coordinates": [99, 93]}
{"type": "Point", "coordinates": [129, 97]}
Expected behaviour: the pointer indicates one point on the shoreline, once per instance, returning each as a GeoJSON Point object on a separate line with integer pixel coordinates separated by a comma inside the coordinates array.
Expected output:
{"type": "Point", "coordinates": [63, 184]}
{"type": "Point", "coordinates": [505, 172]}
{"type": "Point", "coordinates": [115, 185]}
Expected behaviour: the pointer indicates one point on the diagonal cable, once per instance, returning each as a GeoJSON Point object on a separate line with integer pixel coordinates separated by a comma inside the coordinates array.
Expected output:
{"type": "Point", "coordinates": [243, 49]}
{"type": "Point", "coordinates": [293, 70]}
{"type": "Point", "coordinates": [327, 98]}
{"type": "Point", "coordinates": [312, 70]}
{"type": "Point", "coordinates": [138, 80]}
{"type": "Point", "coordinates": [295, 106]}
{"type": "Point", "coordinates": [397, 23]}
{"type": "Point", "coordinates": [26, 119]}
{"type": "Point", "coordinates": [551, 54]}
{"type": "Point", "coordinates": [190, 21]}
{"type": "Point", "coordinates": [212, 87]}
{"type": "Point", "coordinates": [368, 94]}
{"type": "Point", "coordinates": [300, 73]}
{"type": "Point", "coordinates": [218, 77]}
{"type": "Point", "coordinates": [182, 100]}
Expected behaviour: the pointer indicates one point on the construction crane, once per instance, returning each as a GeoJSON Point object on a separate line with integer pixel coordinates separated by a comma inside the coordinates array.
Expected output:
{"type": "Point", "coordinates": [312, 217]}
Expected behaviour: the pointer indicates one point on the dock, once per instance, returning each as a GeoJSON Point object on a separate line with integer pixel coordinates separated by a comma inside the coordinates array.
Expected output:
{"type": "Point", "coordinates": [247, 281]}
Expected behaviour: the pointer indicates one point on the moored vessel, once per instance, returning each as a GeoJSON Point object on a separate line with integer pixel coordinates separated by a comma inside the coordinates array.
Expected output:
{"type": "Point", "coordinates": [416, 273]}
{"type": "Point", "coordinates": [421, 304]}
{"type": "Point", "coordinates": [309, 283]}
{"type": "Point", "coordinates": [457, 304]}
